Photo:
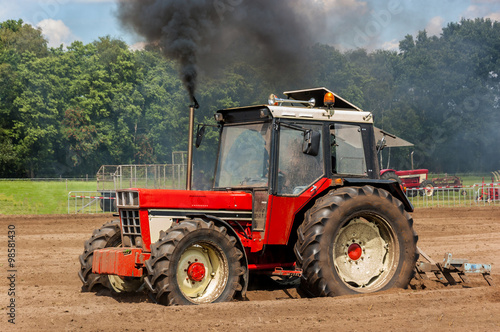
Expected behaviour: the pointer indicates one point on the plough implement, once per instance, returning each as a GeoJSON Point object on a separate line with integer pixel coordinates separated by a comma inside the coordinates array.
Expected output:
{"type": "Point", "coordinates": [451, 270]}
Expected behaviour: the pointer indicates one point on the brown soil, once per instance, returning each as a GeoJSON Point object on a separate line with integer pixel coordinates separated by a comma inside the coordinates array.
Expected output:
{"type": "Point", "coordinates": [48, 295]}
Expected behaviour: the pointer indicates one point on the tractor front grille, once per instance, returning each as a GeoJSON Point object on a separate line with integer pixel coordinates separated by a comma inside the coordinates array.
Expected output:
{"type": "Point", "coordinates": [130, 222]}
{"type": "Point", "coordinates": [127, 198]}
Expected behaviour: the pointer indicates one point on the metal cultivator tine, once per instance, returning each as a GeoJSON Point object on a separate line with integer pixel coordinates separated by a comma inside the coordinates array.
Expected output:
{"type": "Point", "coordinates": [450, 265]}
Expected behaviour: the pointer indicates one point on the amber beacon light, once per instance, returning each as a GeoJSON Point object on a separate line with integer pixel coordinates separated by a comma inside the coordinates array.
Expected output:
{"type": "Point", "coordinates": [329, 100]}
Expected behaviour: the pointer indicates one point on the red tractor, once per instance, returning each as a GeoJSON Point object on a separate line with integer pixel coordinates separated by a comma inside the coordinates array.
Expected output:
{"type": "Point", "coordinates": [296, 193]}
{"type": "Point", "coordinates": [415, 180]}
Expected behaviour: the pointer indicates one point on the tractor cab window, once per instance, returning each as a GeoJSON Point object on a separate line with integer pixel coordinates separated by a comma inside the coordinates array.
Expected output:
{"type": "Point", "coordinates": [297, 170]}
{"type": "Point", "coordinates": [244, 156]}
{"type": "Point", "coordinates": [347, 153]}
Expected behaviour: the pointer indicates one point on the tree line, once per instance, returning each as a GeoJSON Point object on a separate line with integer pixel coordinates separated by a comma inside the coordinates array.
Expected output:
{"type": "Point", "coordinates": [65, 111]}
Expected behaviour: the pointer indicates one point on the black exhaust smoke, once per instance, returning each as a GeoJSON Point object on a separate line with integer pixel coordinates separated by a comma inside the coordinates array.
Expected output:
{"type": "Point", "coordinates": [177, 27]}
{"type": "Point", "coordinates": [210, 33]}
{"type": "Point", "coordinates": [271, 34]}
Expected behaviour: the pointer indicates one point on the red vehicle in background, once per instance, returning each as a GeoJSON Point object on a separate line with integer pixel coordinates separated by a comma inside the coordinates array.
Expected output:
{"type": "Point", "coordinates": [416, 180]}
{"type": "Point", "coordinates": [488, 192]}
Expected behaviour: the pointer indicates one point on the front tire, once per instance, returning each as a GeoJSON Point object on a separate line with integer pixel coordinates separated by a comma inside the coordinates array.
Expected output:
{"type": "Point", "coordinates": [195, 262]}
{"type": "Point", "coordinates": [391, 175]}
{"type": "Point", "coordinates": [107, 236]}
{"type": "Point", "coordinates": [356, 240]}
{"type": "Point", "coordinates": [428, 190]}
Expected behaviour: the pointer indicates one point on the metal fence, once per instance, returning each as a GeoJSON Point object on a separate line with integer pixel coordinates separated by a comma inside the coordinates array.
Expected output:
{"type": "Point", "coordinates": [152, 176]}
{"type": "Point", "coordinates": [168, 176]}
{"type": "Point", "coordinates": [110, 178]}
{"type": "Point", "coordinates": [92, 201]}
{"type": "Point", "coordinates": [480, 194]}
{"type": "Point", "coordinates": [113, 177]}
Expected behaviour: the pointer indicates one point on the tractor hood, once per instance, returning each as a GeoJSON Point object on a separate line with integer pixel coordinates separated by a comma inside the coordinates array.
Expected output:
{"type": "Point", "coordinates": [183, 199]}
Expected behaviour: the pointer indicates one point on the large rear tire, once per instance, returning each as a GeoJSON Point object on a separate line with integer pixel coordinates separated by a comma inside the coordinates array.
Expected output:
{"type": "Point", "coordinates": [106, 236]}
{"type": "Point", "coordinates": [195, 262]}
{"type": "Point", "coordinates": [356, 240]}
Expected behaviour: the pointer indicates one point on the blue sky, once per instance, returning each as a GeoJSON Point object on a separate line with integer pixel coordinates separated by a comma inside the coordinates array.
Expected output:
{"type": "Point", "coordinates": [372, 23]}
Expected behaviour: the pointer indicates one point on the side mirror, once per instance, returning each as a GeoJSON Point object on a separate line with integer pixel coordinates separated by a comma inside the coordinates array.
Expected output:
{"type": "Point", "coordinates": [199, 136]}
{"type": "Point", "coordinates": [310, 146]}
{"type": "Point", "coordinates": [381, 144]}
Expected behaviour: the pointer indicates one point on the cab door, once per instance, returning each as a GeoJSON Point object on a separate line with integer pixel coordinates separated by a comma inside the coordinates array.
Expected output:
{"type": "Point", "coordinates": [299, 177]}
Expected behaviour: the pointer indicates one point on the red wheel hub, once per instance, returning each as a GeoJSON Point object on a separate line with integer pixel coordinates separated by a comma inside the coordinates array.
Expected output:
{"type": "Point", "coordinates": [354, 251]}
{"type": "Point", "coordinates": [196, 271]}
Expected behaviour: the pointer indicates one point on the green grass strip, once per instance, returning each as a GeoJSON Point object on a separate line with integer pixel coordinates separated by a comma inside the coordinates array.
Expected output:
{"type": "Point", "coordinates": [39, 197]}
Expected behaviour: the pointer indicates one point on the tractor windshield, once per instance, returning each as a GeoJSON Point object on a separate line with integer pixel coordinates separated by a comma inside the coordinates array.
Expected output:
{"type": "Point", "coordinates": [244, 156]}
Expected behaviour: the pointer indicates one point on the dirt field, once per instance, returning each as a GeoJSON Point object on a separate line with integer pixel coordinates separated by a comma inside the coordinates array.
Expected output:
{"type": "Point", "coordinates": [48, 296]}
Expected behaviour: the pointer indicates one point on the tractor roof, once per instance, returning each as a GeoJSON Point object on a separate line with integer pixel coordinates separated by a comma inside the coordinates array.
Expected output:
{"type": "Point", "coordinates": [391, 141]}
{"type": "Point", "coordinates": [343, 111]}
{"type": "Point", "coordinates": [322, 114]}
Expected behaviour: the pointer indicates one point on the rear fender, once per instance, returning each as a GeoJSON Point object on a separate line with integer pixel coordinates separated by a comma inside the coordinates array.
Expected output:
{"type": "Point", "coordinates": [387, 170]}
{"type": "Point", "coordinates": [391, 186]}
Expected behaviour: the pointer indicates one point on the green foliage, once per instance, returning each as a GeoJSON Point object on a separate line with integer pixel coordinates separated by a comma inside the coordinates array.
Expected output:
{"type": "Point", "coordinates": [66, 111]}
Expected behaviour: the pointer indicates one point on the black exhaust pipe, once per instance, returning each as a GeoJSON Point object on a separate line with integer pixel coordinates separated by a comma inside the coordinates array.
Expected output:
{"type": "Point", "coordinates": [189, 172]}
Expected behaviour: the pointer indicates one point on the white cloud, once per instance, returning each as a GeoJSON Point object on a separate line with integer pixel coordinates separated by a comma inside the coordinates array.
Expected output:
{"type": "Point", "coordinates": [472, 12]}
{"type": "Point", "coordinates": [392, 45]}
{"type": "Point", "coordinates": [56, 32]}
{"type": "Point", "coordinates": [484, 9]}
{"type": "Point", "coordinates": [493, 16]}
{"type": "Point", "coordinates": [435, 26]}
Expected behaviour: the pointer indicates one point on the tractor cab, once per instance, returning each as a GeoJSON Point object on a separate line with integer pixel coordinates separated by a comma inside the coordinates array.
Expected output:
{"type": "Point", "coordinates": [287, 146]}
